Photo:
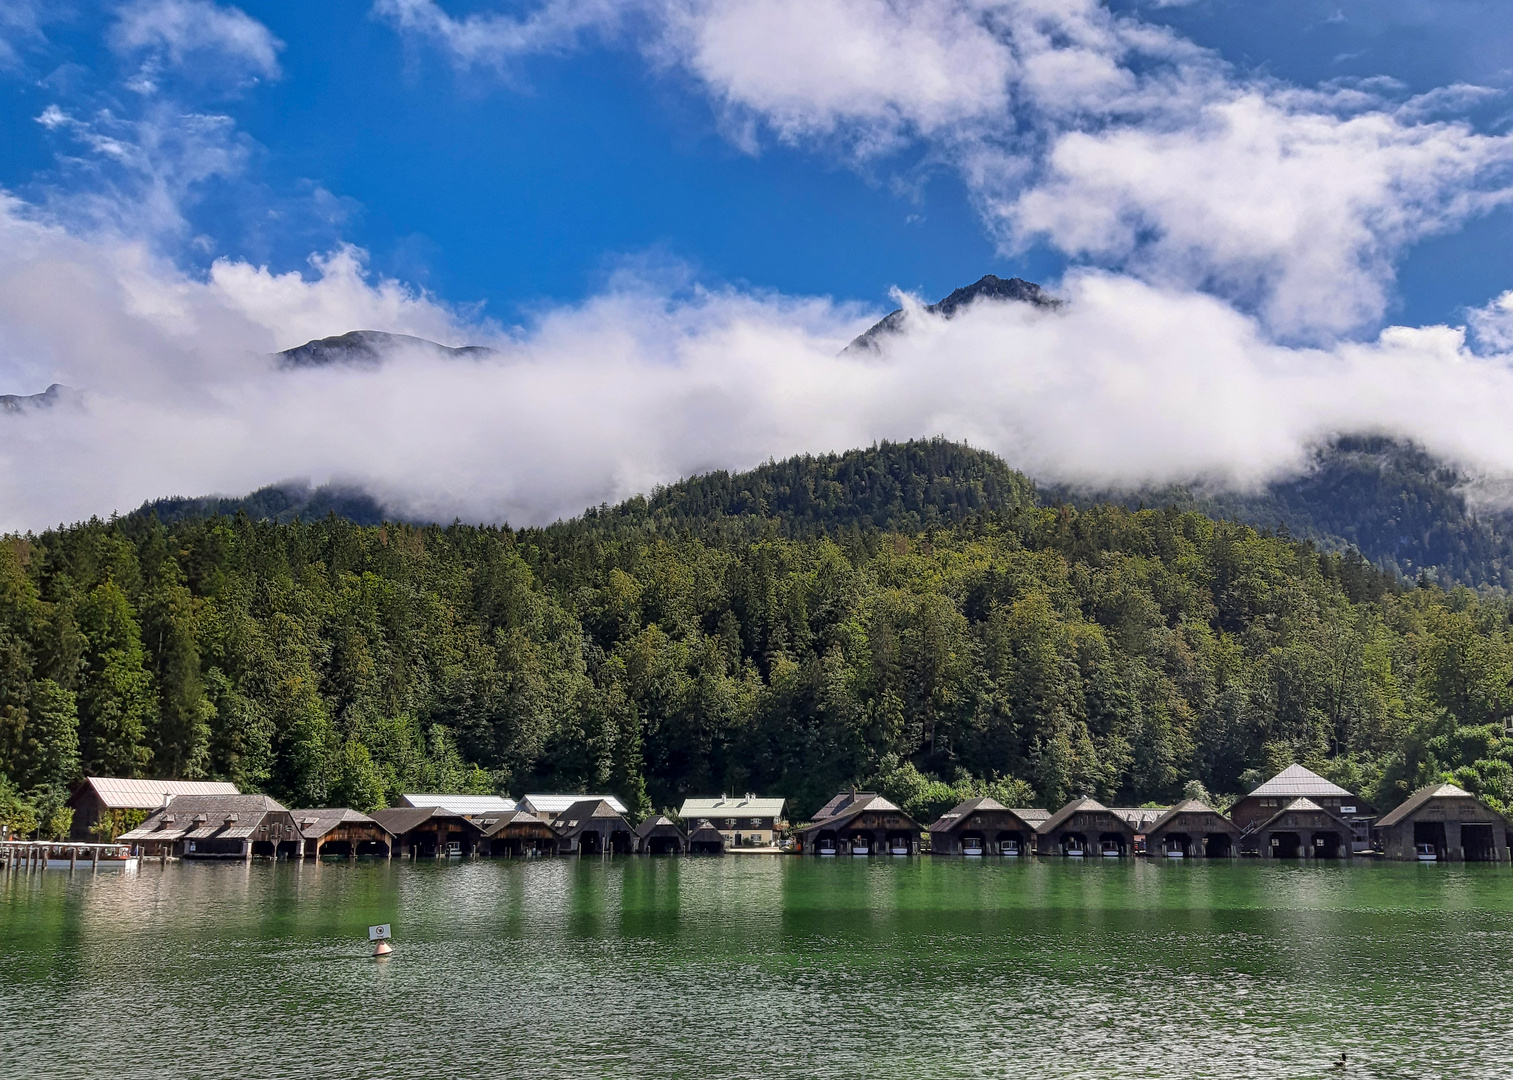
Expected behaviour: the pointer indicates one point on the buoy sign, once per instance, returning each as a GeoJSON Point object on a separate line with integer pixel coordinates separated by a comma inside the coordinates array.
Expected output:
{"type": "Point", "coordinates": [378, 933]}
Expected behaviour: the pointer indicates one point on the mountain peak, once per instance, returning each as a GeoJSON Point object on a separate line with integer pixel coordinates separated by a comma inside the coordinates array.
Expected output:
{"type": "Point", "coordinates": [987, 287]}
{"type": "Point", "coordinates": [368, 348]}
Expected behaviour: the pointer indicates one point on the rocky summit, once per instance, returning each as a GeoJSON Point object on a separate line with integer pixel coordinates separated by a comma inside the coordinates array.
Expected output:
{"type": "Point", "coordinates": [368, 348]}
{"type": "Point", "coordinates": [986, 288]}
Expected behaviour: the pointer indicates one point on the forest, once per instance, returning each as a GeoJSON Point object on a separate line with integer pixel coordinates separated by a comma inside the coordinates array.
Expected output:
{"type": "Point", "coordinates": [905, 617]}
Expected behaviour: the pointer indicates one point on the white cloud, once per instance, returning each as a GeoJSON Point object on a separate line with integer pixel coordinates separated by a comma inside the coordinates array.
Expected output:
{"type": "Point", "coordinates": [1128, 383]}
{"type": "Point", "coordinates": [176, 32]}
{"type": "Point", "coordinates": [1108, 138]}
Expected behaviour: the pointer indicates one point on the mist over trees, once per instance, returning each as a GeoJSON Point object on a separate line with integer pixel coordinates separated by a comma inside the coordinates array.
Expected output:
{"type": "Point", "coordinates": [904, 617]}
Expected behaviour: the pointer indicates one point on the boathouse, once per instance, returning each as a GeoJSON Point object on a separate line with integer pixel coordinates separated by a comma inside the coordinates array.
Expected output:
{"type": "Point", "coordinates": [1444, 823]}
{"type": "Point", "coordinates": [98, 796]}
{"type": "Point", "coordinates": [860, 823]}
{"type": "Point", "coordinates": [1301, 830]}
{"type": "Point", "coordinates": [337, 832]}
{"type": "Point", "coordinates": [215, 827]}
{"type": "Point", "coordinates": [429, 832]}
{"type": "Point", "coordinates": [1192, 830]}
{"type": "Point", "coordinates": [746, 821]}
{"type": "Point", "coordinates": [549, 807]}
{"type": "Point", "coordinates": [1296, 782]}
{"type": "Point", "coordinates": [593, 827]}
{"type": "Point", "coordinates": [705, 839]}
{"type": "Point", "coordinates": [660, 835]}
{"type": "Point", "coordinates": [469, 806]}
{"type": "Point", "coordinates": [516, 834]}
{"type": "Point", "coordinates": [1085, 827]}
{"type": "Point", "coordinates": [981, 826]}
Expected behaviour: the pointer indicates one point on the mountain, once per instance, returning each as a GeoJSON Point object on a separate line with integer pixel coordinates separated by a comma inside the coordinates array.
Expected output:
{"type": "Point", "coordinates": [55, 394]}
{"type": "Point", "coordinates": [1400, 506]}
{"type": "Point", "coordinates": [281, 503]}
{"type": "Point", "coordinates": [987, 287]}
{"type": "Point", "coordinates": [369, 348]}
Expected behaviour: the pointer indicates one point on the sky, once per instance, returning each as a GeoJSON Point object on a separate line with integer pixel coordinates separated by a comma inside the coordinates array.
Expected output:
{"type": "Point", "coordinates": [1273, 223]}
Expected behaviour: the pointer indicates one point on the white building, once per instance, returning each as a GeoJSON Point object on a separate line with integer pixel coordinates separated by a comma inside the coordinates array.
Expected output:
{"type": "Point", "coordinates": [744, 821]}
{"type": "Point", "coordinates": [468, 806]}
{"type": "Point", "coordinates": [548, 807]}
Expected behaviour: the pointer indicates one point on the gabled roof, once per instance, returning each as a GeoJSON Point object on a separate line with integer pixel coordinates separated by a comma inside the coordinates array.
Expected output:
{"type": "Point", "coordinates": [660, 821]}
{"type": "Point", "coordinates": [1139, 817]}
{"type": "Point", "coordinates": [556, 804]}
{"type": "Point", "coordinates": [129, 793]}
{"type": "Point", "coordinates": [745, 806]}
{"type": "Point", "coordinates": [229, 817]}
{"type": "Point", "coordinates": [316, 823]}
{"type": "Point", "coordinates": [1302, 805]}
{"type": "Point", "coordinates": [1084, 805]}
{"type": "Point", "coordinates": [466, 805]}
{"type": "Point", "coordinates": [960, 812]}
{"type": "Point", "coordinates": [852, 805]}
{"type": "Point", "coordinates": [1420, 797]}
{"type": "Point", "coordinates": [493, 826]}
{"type": "Point", "coordinates": [1295, 781]}
{"type": "Point", "coordinates": [1187, 806]}
{"type": "Point", "coordinates": [582, 813]}
{"type": "Point", "coordinates": [1031, 815]}
{"type": "Point", "coordinates": [402, 819]}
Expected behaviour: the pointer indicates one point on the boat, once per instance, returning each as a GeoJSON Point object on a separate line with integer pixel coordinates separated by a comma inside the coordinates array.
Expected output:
{"type": "Point", "coordinates": [454, 850]}
{"type": "Point", "coordinates": [1175, 853]}
{"type": "Point", "coordinates": [899, 848]}
{"type": "Point", "coordinates": [972, 848]}
{"type": "Point", "coordinates": [827, 852]}
{"type": "Point", "coordinates": [1426, 852]}
{"type": "Point", "coordinates": [1074, 851]}
{"type": "Point", "coordinates": [1009, 849]}
{"type": "Point", "coordinates": [1111, 850]}
{"type": "Point", "coordinates": [860, 847]}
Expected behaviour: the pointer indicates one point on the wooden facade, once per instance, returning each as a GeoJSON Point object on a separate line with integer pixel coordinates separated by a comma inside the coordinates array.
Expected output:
{"type": "Point", "coordinates": [1192, 830]}
{"type": "Point", "coordinates": [1301, 830]}
{"type": "Point", "coordinates": [660, 835]}
{"type": "Point", "coordinates": [705, 839]}
{"type": "Point", "coordinates": [860, 823]}
{"type": "Point", "coordinates": [99, 797]}
{"type": "Point", "coordinates": [336, 832]}
{"type": "Point", "coordinates": [593, 827]}
{"type": "Point", "coordinates": [1296, 782]}
{"type": "Point", "coordinates": [981, 826]}
{"type": "Point", "coordinates": [1443, 823]}
{"type": "Point", "coordinates": [516, 834]}
{"type": "Point", "coordinates": [429, 832]}
{"type": "Point", "coordinates": [1085, 828]}
{"type": "Point", "coordinates": [215, 827]}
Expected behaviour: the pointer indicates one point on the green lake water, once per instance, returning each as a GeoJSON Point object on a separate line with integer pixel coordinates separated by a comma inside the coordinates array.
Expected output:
{"type": "Point", "coordinates": [759, 967]}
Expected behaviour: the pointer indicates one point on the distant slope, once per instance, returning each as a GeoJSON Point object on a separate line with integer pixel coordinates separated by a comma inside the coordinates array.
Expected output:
{"type": "Point", "coordinates": [1400, 506]}
{"type": "Point", "coordinates": [55, 394]}
{"type": "Point", "coordinates": [901, 487]}
{"type": "Point", "coordinates": [282, 503]}
{"type": "Point", "coordinates": [987, 287]}
{"type": "Point", "coordinates": [368, 348]}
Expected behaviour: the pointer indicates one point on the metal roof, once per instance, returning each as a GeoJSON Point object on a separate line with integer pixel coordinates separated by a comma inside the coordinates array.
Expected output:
{"type": "Point", "coordinates": [744, 806]}
{"type": "Point", "coordinates": [556, 804]}
{"type": "Point", "coordinates": [467, 805]}
{"type": "Point", "coordinates": [129, 793]}
{"type": "Point", "coordinates": [1295, 781]}
{"type": "Point", "coordinates": [1031, 815]}
{"type": "Point", "coordinates": [1421, 796]}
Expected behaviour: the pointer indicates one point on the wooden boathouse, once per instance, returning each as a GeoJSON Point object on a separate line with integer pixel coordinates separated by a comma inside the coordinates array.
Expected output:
{"type": "Point", "coordinates": [215, 827]}
{"type": "Point", "coordinates": [705, 839]}
{"type": "Point", "coordinates": [1192, 830]}
{"type": "Point", "coordinates": [1296, 782]}
{"type": "Point", "coordinates": [1301, 830]}
{"type": "Point", "coordinates": [660, 835]}
{"type": "Point", "coordinates": [981, 826]}
{"type": "Point", "coordinates": [550, 807]}
{"type": "Point", "coordinates": [336, 832]}
{"type": "Point", "coordinates": [860, 823]}
{"type": "Point", "coordinates": [593, 827]}
{"type": "Point", "coordinates": [429, 832]}
{"type": "Point", "coordinates": [1444, 823]}
{"type": "Point", "coordinates": [516, 834]}
{"type": "Point", "coordinates": [1085, 827]}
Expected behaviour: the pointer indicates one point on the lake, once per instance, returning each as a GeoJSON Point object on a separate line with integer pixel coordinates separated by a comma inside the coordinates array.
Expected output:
{"type": "Point", "coordinates": [753, 966]}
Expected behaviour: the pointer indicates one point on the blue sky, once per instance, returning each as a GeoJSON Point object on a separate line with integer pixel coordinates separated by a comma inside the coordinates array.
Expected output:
{"type": "Point", "coordinates": [1275, 223]}
{"type": "Point", "coordinates": [529, 185]}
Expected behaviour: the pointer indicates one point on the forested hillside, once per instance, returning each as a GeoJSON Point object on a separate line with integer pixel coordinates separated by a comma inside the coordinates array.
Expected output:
{"type": "Point", "coordinates": [858, 619]}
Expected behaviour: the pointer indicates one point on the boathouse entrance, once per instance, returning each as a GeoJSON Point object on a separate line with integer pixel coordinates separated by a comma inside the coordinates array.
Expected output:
{"type": "Point", "coordinates": [1012, 843]}
{"type": "Point", "coordinates": [1433, 834]}
{"type": "Point", "coordinates": [1327, 845]}
{"type": "Point", "coordinates": [1286, 845]}
{"type": "Point", "coordinates": [1175, 844]}
{"type": "Point", "coordinates": [1479, 842]}
{"type": "Point", "coordinates": [1073, 844]}
{"type": "Point", "coordinates": [1218, 846]}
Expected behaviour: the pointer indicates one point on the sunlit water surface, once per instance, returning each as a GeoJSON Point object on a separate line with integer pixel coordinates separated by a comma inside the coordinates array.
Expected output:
{"type": "Point", "coordinates": [759, 967]}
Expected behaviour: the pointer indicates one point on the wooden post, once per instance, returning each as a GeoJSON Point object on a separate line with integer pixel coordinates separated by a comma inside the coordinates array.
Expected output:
{"type": "Point", "coordinates": [94, 858]}
{"type": "Point", "coordinates": [73, 858]}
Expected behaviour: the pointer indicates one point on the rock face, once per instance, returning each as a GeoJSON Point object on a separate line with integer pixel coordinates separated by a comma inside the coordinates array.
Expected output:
{"type": "Point", "coordinates": [368, 348]}
{"type": "Point", "coordinates": [55, 394]}
{"type": "Point", "coordinates": [985, 288]}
